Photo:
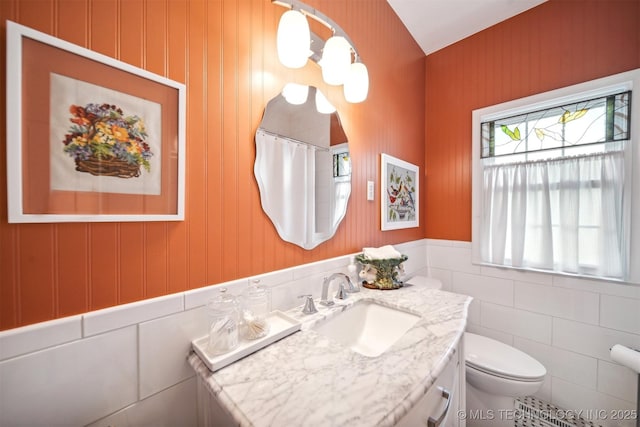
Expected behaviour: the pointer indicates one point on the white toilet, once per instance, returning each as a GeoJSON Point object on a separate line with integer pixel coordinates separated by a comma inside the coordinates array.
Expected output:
{"type": "Point", "coordinates": [496, 374]}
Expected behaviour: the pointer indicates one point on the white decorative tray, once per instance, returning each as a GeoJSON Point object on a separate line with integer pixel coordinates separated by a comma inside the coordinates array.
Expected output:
{"type": "Point", "coordinates": [280, 325]}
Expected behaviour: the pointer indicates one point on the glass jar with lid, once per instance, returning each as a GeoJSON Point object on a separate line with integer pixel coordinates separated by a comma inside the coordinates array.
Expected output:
{"type": "Point", "coordinates": [256, 306]}
{"type": "Point", "coordinates": [224, 314]}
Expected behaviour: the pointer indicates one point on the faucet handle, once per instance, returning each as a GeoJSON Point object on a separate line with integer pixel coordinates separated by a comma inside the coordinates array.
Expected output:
{"type": "Point", "coordinates": [342, 292]}
{"type": "Point", "coordinates": [351, 287]}
{"type": "Point", "coordinates": [309, 306]}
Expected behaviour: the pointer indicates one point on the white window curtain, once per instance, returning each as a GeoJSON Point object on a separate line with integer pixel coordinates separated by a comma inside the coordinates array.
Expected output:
{"type": "Point", "coordinates": [564, 215]}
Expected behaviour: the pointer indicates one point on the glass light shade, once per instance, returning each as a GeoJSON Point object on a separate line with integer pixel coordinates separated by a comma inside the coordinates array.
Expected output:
{"type": "Point", "coordinates": [295, 94]}
{"type": "Point", "coordinates": [356, 87]}
{"type": "Point", "coordinates": [336, 60]}
{"type": "Point", "coordinates": [293, 39]}
{"type": "Point", "coordinates": [322, 103]}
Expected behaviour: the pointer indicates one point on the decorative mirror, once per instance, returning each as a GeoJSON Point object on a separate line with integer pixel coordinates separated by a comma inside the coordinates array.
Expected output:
{"type": "Point", "coordinates": [303, 167]}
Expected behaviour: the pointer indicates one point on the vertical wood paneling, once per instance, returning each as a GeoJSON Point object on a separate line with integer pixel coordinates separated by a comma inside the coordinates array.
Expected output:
{"type": "Point", "coordinates": [213, 143]}
{"type": "Point", "coordinates": [253, 258]}
{"type": "Point", "coordinates": [225, 53]}
{"type": "Point", "coordinates": [37, 14]}
{"type": "Point", "coordinates": [36, 293]}
{"type": "Point", "coordinates": [556, 44]}
{"type": "Point", "coordinates": [9, 305]}
{"type": "Point", "coordinates": [72, 21]}
{"type": "Point", "coordinates": [229, 196]}
{"type": "Point", "coordinates": [72, 274]}
{"type": "Point", "coordinates": [197, 123]}
{"type": "Point", "coordinates": [155, 37]}
{"type": "Point", "coordinates": [177, 41]}
{"type": "Point", "coordinates": [103, 27]}
{"type": "Point", "coordinates": [9, 302]}
{"type": "Point", "coordinates": [156, 261]}
{"type": "Point", "coordinates": [178, 257]}
{"type": "Point", "coordinates": [132, 32]}
{"type": "Point", "coordinates": [132, 257]}
{"type": "Point", "coordinates": [246, 153]}
{"type": "Point", "coordinates": [104, 265]}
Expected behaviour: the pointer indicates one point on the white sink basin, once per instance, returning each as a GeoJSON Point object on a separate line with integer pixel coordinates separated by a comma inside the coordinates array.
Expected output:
{"type": "Point", "coordinates": [367, 327]}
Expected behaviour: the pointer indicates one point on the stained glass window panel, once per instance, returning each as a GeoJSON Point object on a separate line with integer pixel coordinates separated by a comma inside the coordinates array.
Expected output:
{"type": "Point", "coordinates": [593, 121]}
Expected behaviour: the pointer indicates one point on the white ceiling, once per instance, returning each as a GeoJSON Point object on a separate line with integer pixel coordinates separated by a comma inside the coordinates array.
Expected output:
{"type": "Point", "coordinates": [435, 24]}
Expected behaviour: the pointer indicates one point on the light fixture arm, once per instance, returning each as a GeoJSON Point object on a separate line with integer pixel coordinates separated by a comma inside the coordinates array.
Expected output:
{"type": "Point", "coordinates": [317, 43]}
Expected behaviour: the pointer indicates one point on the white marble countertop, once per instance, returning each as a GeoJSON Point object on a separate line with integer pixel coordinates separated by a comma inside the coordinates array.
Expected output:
{"type": "Point", "coordinates": [307, 379]}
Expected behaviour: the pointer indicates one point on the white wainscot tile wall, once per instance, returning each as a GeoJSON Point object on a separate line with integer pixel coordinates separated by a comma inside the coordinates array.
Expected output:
{"type": "Point", "coordinates": [126, 365]}
{"type": "Point", "coordinates": [568, 324]}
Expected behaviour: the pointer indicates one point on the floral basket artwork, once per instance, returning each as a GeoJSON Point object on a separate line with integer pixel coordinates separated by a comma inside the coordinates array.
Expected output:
{"type": "Point", "coordinates": [104, 141]}
{"type": "Point", "coordinates": [381, 273]}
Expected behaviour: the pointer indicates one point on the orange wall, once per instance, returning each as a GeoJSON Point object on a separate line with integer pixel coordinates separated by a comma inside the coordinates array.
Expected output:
{"type": "Point", "coordinates": [225, 53]}
{"type": "Point", "coordinates": [559, 43]}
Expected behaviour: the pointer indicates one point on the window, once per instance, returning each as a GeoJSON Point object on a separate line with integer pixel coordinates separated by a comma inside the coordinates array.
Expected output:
{"type": "Point", "coordinates": [552, 180]}
{"type": "Point", "coordinates": [570, 126]}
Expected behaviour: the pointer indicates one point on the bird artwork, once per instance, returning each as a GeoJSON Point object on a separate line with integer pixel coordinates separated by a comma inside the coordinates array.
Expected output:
{"type": "Point", "coordinates": [400, 190]}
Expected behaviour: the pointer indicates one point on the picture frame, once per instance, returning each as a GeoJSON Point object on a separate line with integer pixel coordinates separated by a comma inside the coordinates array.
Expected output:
{"type": "Point", "coordinates": [400, 193]}
{"type": "Point", "coordinates": [90, 138]}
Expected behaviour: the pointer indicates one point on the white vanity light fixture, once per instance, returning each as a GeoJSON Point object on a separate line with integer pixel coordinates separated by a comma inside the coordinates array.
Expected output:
{"type": "Point", "coordinates": [293, 39]}
{"type": "Point", "coordinates": [334, 56]}
{"type": "Point", "coordinates": [356, 86]}
{"type": "Point", "coordinates": [322, 103]}
{"type": "Point", "coordinates": [336, 60]}
{"type": "Point", "coordinates": [295, 94]}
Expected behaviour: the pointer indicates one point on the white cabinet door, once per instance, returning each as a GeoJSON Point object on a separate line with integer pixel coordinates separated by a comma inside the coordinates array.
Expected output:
{"type": "Point", "coordinates": [439, 406]}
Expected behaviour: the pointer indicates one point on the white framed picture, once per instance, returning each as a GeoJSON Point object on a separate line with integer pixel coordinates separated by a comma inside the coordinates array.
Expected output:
{"type": "Point", "coordinates": [90, 138]}
{"type": "Point", "coordinates": [399, 198]}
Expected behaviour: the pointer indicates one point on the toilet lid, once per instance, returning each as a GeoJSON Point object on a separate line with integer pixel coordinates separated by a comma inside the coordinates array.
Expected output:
{"type": "Point", "coordinates": [427, 282]}
{"type": "Point", "coordinates": [494, 357]}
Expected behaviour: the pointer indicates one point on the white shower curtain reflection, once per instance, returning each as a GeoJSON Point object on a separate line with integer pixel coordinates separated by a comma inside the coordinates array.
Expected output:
{"type": "Point", "coordinates": [564, 215]}
{"type": "Point", "coordinates": [288, 164]}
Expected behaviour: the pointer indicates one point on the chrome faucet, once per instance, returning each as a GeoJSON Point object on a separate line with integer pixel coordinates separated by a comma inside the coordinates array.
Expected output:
{"type": "Point", "coordinates": [309, 306]}
{"type": "Point", "coordinates": [342, 291]}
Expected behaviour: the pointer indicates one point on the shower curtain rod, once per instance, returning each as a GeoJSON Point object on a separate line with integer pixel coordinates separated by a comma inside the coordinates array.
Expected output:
{"type": "Point", "coordinates": [297, 141]}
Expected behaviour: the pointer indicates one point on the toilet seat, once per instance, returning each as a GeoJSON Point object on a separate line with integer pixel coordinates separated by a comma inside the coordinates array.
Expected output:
{"type": "Point", "coordinates": [495, 358]}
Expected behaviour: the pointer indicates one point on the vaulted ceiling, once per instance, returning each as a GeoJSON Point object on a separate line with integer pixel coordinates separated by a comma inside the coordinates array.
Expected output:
{"type": "Point", "coordinates": [435, 24]}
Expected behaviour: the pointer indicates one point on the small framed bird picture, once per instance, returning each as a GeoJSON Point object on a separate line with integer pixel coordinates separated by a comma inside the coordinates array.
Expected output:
{"type": "Point", "coordinates": [399, 193]}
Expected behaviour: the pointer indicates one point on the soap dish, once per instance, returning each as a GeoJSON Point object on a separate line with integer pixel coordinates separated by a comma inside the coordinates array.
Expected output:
{"type": "Point", "coordinates": [280, 325]}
